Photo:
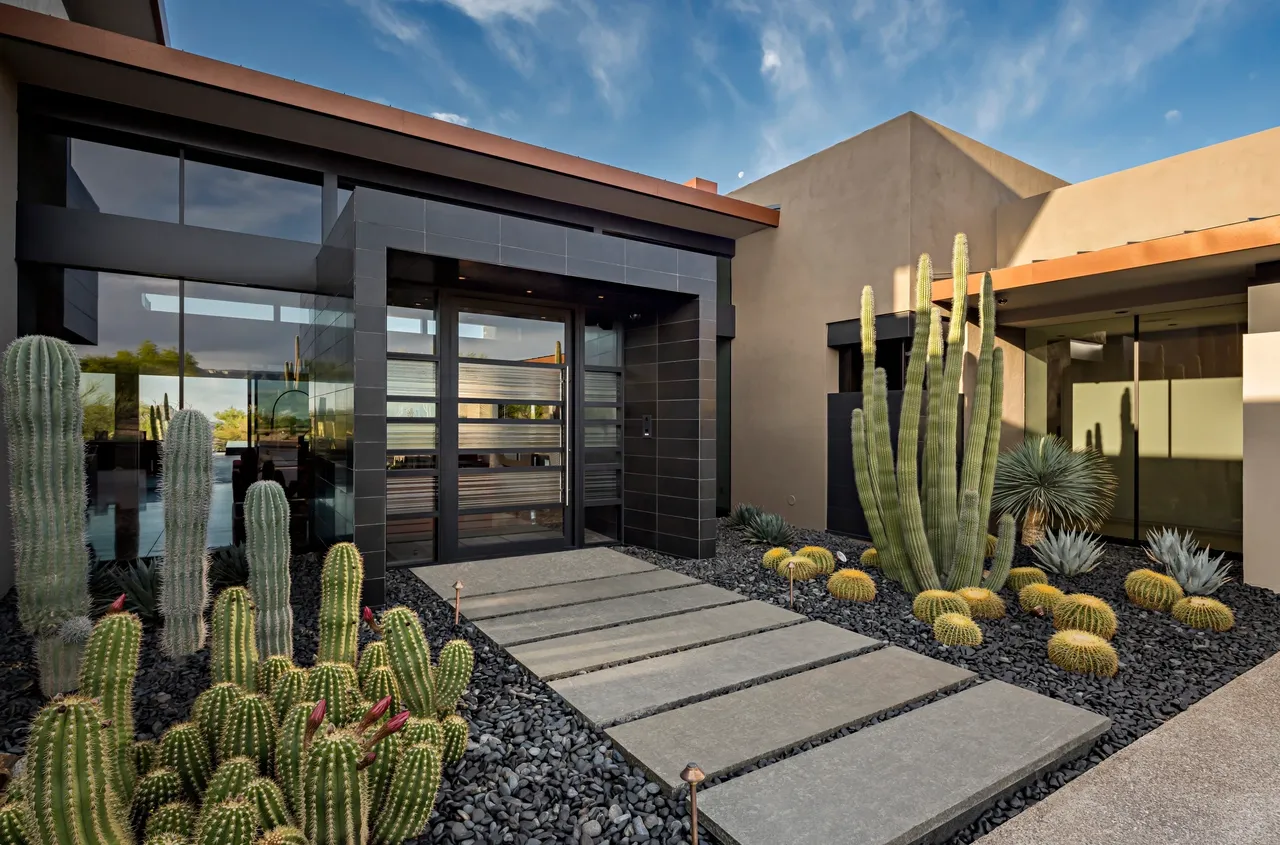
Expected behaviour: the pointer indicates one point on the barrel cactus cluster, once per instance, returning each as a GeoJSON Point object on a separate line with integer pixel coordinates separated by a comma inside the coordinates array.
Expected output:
{"type": "Point", "coordinates": [929, 525]}
{"type": "Point", "coordinates": [852, 585]}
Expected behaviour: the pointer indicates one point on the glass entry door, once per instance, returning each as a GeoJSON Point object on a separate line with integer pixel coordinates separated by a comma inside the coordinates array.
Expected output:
{"type": "Point", "coordinates": [504, 485]}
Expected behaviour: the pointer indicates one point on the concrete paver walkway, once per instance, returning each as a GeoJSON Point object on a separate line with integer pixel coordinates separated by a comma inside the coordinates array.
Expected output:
{"type": "Point", "coordinates": [676, 670]}
{"type": "Point", "coordinates": [1208, 775]}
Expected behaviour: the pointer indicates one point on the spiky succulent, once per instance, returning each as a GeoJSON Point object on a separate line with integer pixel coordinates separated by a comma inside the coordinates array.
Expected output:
{"type": "Point", "coordinates": [1193, 568]}
{"type": "Point", "coordinates": [1080, 651]}
{"type": "Point", "coordinates": [1083, 612]}
{"type": "Point", "coordinates": [1044, 482]}
{"type": "Point", "coordinates": [956, 629]}
{"type": "Point", "coordinates": [825, 560]}
{"type": "Point", "coordinates": [775, 556]}
{"type": "Point", "coordinates": [869, 559]}
{"type": "Point", "coordinates": [983, 603]}
{"type": "Point", "coordinates": [1165, 544]}
{"type": "Point", "coordinates": [799, 568]}
{"type": "Point", "coordinates": [1021, 576]}
{"type": "Point", "coordinates": [1039, 596]}
{"type": "Point", "coordinates": [930, 604]}
{"type": "Point", "coordinates": [1152, 590]}
{"type": "Point", "coordinates": [741, 515]}
{"type": "Point", "coordinates": [851, 585]}
{"type": "Point", "coordinates": [769, 529]}
{"type": "Point", "coordinates": [1204, 612]}
{"type": "Point", "coordinates": [1068, 553]}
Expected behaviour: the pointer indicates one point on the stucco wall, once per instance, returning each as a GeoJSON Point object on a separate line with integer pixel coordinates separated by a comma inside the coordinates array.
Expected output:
{"type": "Point", "coordinates": [48, 7]}
{"type": "Point", "coordinates": [8, 286]}
{"type": "Point", "coordinates": [855, 214]}
{"type": "Point", "coordinates": [1213, 186]}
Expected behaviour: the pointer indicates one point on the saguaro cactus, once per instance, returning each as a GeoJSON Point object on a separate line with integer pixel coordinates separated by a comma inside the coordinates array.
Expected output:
{"type": "Point", "coordinates": [233, 655]}
{"type": "Point", "coordinates": [340, 579]}
{"type": "Point", "coordinates": [266, 522]}
{"type": "Point", "coordinates": [110, 664]}
{"type": "Point", "coordinates": [45, 417]}
{"type": "Point", "coordinates": [187, 490]}
{"type": "Point", "coordinates": [71, 797]}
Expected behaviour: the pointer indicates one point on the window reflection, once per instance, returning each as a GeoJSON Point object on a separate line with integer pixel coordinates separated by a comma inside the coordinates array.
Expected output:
{"type": "Point", "coordinates": [117, 180]}
{"type": "Point", "coordinates": [507, 338]}
{"type": "Point", "coordinates": [254, 203]}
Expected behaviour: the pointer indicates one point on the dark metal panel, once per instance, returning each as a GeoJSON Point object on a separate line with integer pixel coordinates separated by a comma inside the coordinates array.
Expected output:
{"type": "Point", "coordinates": [84, 239]}
{"type": "Point", "coordinates": [726, 320]}
{"type": "Point", "coordinates": [849, 332]}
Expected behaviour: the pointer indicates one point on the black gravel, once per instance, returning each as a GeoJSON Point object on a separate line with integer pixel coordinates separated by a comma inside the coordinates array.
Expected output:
{"type": "Point", "coordinates": [534, 773]}
{"type": "Point", "coordinates": [1165, 667]}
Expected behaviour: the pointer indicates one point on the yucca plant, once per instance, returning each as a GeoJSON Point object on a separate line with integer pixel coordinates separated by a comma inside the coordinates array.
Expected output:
{"type": "Point", "coordinates": [742, 514]}
{"type": "Point", "coordinates": [1197, 572]}
{"type": "Point", "coordinates": [1045, 483]}
{"type": "Point", "coordinates": [770, 529]}
{"type": "Point", "coordinates": [1068, 553]}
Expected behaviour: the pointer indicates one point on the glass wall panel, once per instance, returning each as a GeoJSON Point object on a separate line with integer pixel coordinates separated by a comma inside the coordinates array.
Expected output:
{"type": "Point", "coordinates": [499, 489]}
{"type": "Point", "coordinates": [505, 337]}
{"type": "Point", "coordinates": [411, 494]}
{"type": "Point", "coordinates": [118, 180]}
{"type": "Point", "coordinates": [411, 378]}
{"type": "Point", "coordinates": [498, 381]}
{"type": "Point", "coordinates": [603, 346]}
{"type": "Point", "coordinates": [219, 197]}
{"type": "Point", "coordinates": [489, 530]}
{"type": "Point", "coordinates": [411, 330]}
{"type": "Point", "coordinates": [508, 436]}
{"type": "Point", "coordinates": [412, 435]}
{"type": "Point", "coordinates": [411, 539]}
{"type": "Point", "coordinates": [601, 387]}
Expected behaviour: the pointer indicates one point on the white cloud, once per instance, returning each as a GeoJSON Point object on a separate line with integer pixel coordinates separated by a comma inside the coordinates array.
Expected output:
{"type": "Point", "coordinates": [771, 61]}
{"type": "Point", "coordinates": [741, 173]}
{"type": "Point", "coordinates": [485, 11]}
{"type": "Point", "coordinates": [450, 117]}
{"type": "Point", "coordinates": [1172, 116]}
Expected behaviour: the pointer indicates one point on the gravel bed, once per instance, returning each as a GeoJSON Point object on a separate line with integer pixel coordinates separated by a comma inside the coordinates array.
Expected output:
{"type": "Point", "coordinates": [1164, 666]}
{"type": "Point", "coordinates": [534, 773]}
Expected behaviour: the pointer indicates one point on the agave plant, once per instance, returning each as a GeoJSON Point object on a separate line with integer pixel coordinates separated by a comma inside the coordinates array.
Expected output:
{"type": "Point", "coordinates": [770, 529]}
{"type": "Point", "coordinates": [1169, 544]}
{"type": "Point", "coordinates": [1193, 568]}
{"type": "Point", "coordinates": [139, 580]}
{"type": "Point", "coordinates": [1068, 553]}
{"type": "Point", "coordinates": [228, 567]}
{"type": "Point", "coordinates": [742, 514]}
{"type": "Point", "coordinates": [1045, 483]}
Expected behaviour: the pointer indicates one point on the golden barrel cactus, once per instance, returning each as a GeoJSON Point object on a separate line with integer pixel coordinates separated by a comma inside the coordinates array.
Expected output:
{"type": "Point", "coordinates": [869, 559]}
{"type": "Point", "coordinates": [1080, 651]}
{"type": "Point", "coordinates": [1083, 612]}
{"type": "Point", "coordinates": [800, 568]}
{"type": "Point", "coordinates": [1205, 613]}
{"type": "Point", "coordinates": [1042, 596]}
{"type": "Point", "coordinates": [1152, 590]}
{"type": "Point", "coordinates": [930, 604]}
{"type": "Point", "coordinates": [851, 585]}
{"type": "Point", "coordinates": [956, 629]}
{"type": "Point", "coordinates": [774, 557]}
{"type": "Point", "coordinates": [825, 560]}
{"type": "Point", "coordinates": [1021, 576]}
{"type": "Point", "coordinates": [983, 604]}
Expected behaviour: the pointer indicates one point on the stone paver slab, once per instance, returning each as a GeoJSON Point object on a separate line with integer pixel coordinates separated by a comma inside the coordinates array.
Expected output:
{"type": "Point", "coordinates": [556, 622]}
{"type": "Point", "coordinates": [908, 779]}
{"type": "Point", "coordinates": [556, 658]}
{"type": "Point", "coordinates": [502, 575]}
{"type": "Point", "coordinates": [623, 693]}
{"type": "Point", "coordinates": [731, 731]}
{"type": "Point", "coordinates": [575, 592]}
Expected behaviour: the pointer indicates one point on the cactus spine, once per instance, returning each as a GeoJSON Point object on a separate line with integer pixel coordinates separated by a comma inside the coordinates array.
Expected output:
{"type": "Point", "coordinates": [283, 836]}
{"type": "Point", "coordinates": [335, 793]}
{"type": "Point", "coordinates": [340, 604]}
{"type": "Point", "coordinates": [266, 522]}
{"type": "Point", "coordinates": [69, 777]}
{"type": "Point", "coordinates": [45, 417]}
{"type": "Point", "coordinates": [230, 780]}
{"type": "Point", "coordinates": [410, 795]}
{"type": "Point", "coordinates": [187, 490]}
{"type": "Point", "coordinates": [110, 664]}
{"type": "Point", "coordinates": [13, 825]}
{"type": "Point", "coordinates": [163, 786]}
{"type": "Point", "coordinates": [233, 822]}
{"type": "Point", "coordinates": [410, 658]}
{"type": "Point", "coordinates": [452, 674]}
{"type": "Point", "coordinates": [233, 654]}
{"type": "Point", "coordinates": [288, 690]}
{"type": "Point", "coordinates": [270, 670]}
{"type": "Point", "coordinates": [267, 798]}
{"type": "Point", "coordinates": [922, 540]}
{"type": "Point", "coordinates": [176, 817]}
{"type": "Point", "coordinates": [183, 748]}
{"type": "Point", "coordinates": [250, 731]}
{"type": "Point", "coordinates": [211, 710]}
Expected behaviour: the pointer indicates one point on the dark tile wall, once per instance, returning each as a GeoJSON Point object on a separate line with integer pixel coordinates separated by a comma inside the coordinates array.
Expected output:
{"type": "Point", "coordinates": [675, 468]}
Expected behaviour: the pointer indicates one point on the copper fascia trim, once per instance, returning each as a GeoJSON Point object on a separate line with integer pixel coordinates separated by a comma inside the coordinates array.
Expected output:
{"type": "Point", "coordinates": [1220, 240]}
{"type": "Point", "coordinates": [111, 47]}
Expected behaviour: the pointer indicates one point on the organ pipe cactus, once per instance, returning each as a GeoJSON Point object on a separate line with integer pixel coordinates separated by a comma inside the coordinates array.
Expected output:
{"type": "Point", "coordinates": [340, 579]}
{"type": "Point", "coordinates": [45, 418]}
{"type": "Point", "coordinates": [410, 658]}
{"type": "Point", "coordinates": [187, 490]}
{"type": "Point", "coordinates": [452, 674]}
{"type": "Point", "coordinates": [71, 798]}
{"type": "Point", "coordinates": [410, 795]}
{"type": "Point", "coordinates": [233, 653]}
{"type": "Point", "coordinates": [250, 731]}
{"type": "Point", "coordinates": [110, 663]}
{"type": "Point", "coordinates": [335, 791]}
{"type": "Point", "coordinates": [266, 522]}
{"type": "Point", "coordinates": [1002, 556]}
{"type": "Point", "coordinates": [928, 525]}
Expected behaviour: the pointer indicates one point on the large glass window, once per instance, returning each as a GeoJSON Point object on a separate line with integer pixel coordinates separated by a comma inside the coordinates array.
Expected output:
{"type": "Point", "coordinates": [118, 180]}
{"type": "Point", "coordinates": [221, 197]}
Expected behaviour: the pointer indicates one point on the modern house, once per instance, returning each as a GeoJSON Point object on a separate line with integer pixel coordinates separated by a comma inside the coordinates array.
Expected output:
{"type": "Point", "coordinates": [449, 345]}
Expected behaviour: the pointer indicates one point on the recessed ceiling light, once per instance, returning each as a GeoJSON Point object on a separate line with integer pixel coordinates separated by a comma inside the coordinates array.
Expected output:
{"type": "Point", "coordinates": [599, 297]}
{"type": "Point", "coordinates": [528, 291]}
{"type": "Point", "coordinates": [462, 278]}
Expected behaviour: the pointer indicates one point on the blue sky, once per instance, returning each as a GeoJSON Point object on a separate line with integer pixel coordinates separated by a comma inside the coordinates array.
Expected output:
{"type": "Point", "coordinates": [715, 88]}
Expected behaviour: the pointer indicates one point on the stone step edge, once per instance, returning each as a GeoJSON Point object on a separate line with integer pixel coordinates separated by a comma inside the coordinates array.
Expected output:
{"type": "Point", "coordinates": [559, 605]}
{"type": "Point", "coordinates": [559, 676]}
{"type": "Point", "coordinates": [716, 693]}
{"type": "Point", "coordinates": [664, 615]}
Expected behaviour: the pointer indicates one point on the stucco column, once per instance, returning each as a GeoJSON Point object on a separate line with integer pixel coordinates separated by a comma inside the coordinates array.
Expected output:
{"type": "Point", "coordinates": [1262, 436]}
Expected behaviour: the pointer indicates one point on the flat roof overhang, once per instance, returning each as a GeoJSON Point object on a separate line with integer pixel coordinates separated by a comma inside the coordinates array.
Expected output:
{"type": "Point", "coordinates": [1209, 264]}
{"type": "Point", "coordinates": [143, 19]}
{"type": "Point", "coordinates": [64, 56]}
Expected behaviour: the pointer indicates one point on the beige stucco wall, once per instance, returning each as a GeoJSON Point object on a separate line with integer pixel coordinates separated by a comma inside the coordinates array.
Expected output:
{"type": "Point", "coordinates": [1213, 186]}
{"type": "Point", "coordinates": [856, 214]}
{"type": "Point", "coordinates": [8, 282]}
{"type": "Point", "coordinates": [1261, 429]}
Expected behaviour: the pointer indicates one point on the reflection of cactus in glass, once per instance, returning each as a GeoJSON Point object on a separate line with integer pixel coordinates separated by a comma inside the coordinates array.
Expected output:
{"type": "Point", "coordinates": [45, 417]}
{"type": "Point", "coordinates": [266, 522]}
{"type": "Point", "coordinates": [187, 490]}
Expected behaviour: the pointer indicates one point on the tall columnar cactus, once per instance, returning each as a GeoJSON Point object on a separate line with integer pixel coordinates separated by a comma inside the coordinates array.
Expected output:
{"type": "Point", "coordinates": [233, 653]}
{"type": "Point", "coordinates": [335, 791]}
{"type": "Point", "coordinates": [1003, 558]}
{"type": "Point", "coordinates": [336, 685]}
{"type": "Point", "coordinates": [340, 604]}
{"type": "Point", "coordinates": [289, 689]}
{"type": "Point", "coordinates": [270, 670]}
{"type": "Point", "coordinates": [187, 490]}
{"type": "Point", "coordinates": [454, 730]}
{"type": "Point", "coordinates": [291, 753]}
{"type": "Point", "coordinates": [452, 674]}
{"type": "Point", "coordinates": [410, 796]}
{"type": "Point", "coordinates": [380, 683]}
{"type": "Point", "coordinates": [176, 817]}
{"type": "Point", "coordinates": [266, 523]}
{"type": "Point", "coordinates": [183, 748]}
{"type": "Point", "coordinates": [250, 731]}
{"type": "Point", "coordinates": [163, 786]}
{"type": "Point", "coordinates": [230, 779]}
{"type": "Point", "coordinates": [410, 658]}
{"type": "Point", "coordinates": [45, 417]}
{"type": "Point", "coordinates": [930, 526]}
{"type": "Point", "coordinates": [70, 758]}
{"type": "Point", "coordinates": [107, 673]}
{"type": "Point", "coordinates": [372, 656]}
{"type": "Point", "coordinates": [265, 795]}
{"type": "Point", "coordinates": [211, 710]}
